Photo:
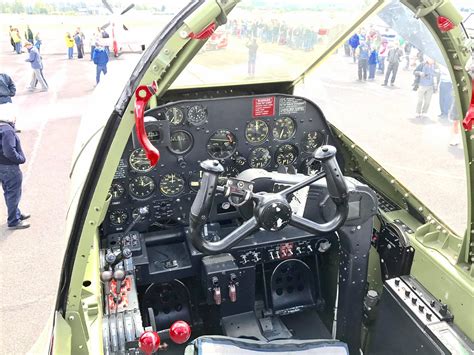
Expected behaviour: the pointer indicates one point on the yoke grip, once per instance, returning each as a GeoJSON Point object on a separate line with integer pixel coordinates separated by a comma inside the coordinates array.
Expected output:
{"type": "Point", "coordinates": [336, 183]}
{"type": "Point", "coordinates": [202, 204]}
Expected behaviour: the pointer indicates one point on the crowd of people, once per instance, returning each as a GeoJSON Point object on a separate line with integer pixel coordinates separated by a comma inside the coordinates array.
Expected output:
{"type": "Point", "coordinates": [277, 32]}
{"type": "Point", "coordinates": [385, 53]}
{"type": "Point", "coordinates": [16, 39]}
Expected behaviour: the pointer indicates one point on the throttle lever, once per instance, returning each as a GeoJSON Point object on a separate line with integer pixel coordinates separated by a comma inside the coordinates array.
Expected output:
{"type": "Point", "coordinates": [336, 183]}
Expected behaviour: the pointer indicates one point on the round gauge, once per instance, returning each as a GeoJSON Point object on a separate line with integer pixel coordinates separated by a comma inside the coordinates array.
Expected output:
{"type": "Point", "coordinates": [310, 166]}
{"type": "Point", "coordinates": [174, 115]}
{"type": "Point", "coordinates": [229, 171]}
{"type": "Point", "coordinates": [171, 184]}
{"type": "Point", "coordinates": [286, 154]}
{"type": "Point", "coordinates": [180, 142]}
{"type": "Point", "coordinates": [116, 191]}
{"type": "Point", "coordinates": [259, 158]}
{"type": "Point", "coordinates": [135, 214]}
{"type": "Point", "coordinates": [153, 135]}
{"type": "Point", "coordinates": [118, 217]}
{"type": "Point", "coordinates": [311, 141]}
{"type": "Point", "coordinates": [221, 144]}
{"type": "Point", "coordinates": [141, 187]}
{"type": "Point", "coordinates": [284, 128]}
{"type": "Point", "coordinates": [195, 180]}
{"type": "Point", "coordinates": [256, 131]}
{"type": "Point", "coordinates": [197, 115]}
{"type": "Point", "coordinates": [138, 161]}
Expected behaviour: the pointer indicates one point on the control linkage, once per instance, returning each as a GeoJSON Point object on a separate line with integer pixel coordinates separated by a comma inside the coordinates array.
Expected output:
{"type": "Point", "coordinates": [272, 211]}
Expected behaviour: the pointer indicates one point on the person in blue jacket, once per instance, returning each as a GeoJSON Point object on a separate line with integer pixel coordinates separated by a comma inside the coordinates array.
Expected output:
{"type": "Point", "coordinates": [34, 59]}
{"type": "Point", "coordinates": [354, 43]}
{"type": "Point", "coordinates": [100, 57]}
{"type": "Point", "coordinates": [373, 60]}
{"type": "Point", "coordinates": [11, 156]}
{"type": "Point", "coordinates": [7, 89]}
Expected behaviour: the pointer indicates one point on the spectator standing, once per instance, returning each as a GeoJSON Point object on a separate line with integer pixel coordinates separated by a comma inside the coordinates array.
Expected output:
{"type": "Point", "coordinates": [427, 86]}
{"type": "Point", "coordinates": [34, 59]}
{"type": "Point", "coordinates": [15, 36]}
{"type": "Point", "coordinates": [69, 45]}
{"type": "Point", "coordinates": [372, 63]}
{"type": "Point", "coordinates": [455, 118]}
{"type": "Point", "coordinates": [354, 43]}
{"type": "Point", "coordinates": [12, 42]}
{"type": "Point", "coordinates": [38, 41]}
{"type": "Point", "coordinates": [394, 57]}
{"type": "Point", "coordinates": [407, 49]}
{"type": "Point", "coordinates": [445, 93]}
{"type": "Point", "coordinates": [7, 89]}
{"type": "Point", "coordinates": [252, 46]}
{"type": "Point", "coordinates": [11, 156]}
{"type": "Point", "coordinates": [29, 34]}
{"type": "Point", "coordinates": [382, 55]}
{"type": "Point", "coordinates": [79, 40]}
{"type": "Point", "coordinates": [100, 58]}
{"type": "Point", "coordinates": [363, 60]}
{"type": "Point", "coordinates": [93, 40]}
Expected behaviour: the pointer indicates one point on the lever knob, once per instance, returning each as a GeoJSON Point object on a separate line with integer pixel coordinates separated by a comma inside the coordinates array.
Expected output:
{"type": "Point", "coordinates": [180, 332]}
{"type": "Point", "coordinates": [149, 342]}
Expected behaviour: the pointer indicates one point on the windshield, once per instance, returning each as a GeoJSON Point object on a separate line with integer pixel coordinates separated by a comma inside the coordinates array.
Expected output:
{"type": "Point", "coordinates": [264, 41]}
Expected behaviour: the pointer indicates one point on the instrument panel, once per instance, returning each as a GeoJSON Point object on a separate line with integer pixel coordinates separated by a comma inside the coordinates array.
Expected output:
{"type": "Point", "coordinates": [272, 132]}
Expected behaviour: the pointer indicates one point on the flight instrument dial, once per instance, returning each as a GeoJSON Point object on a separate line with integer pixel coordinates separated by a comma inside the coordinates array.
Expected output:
{"type": "Point", "coordinates": [118, 217]}
{"type": "Point", "coordinates": [171, 184]}
{"type": "Point", "coordinates": [175, 116]}
{"type": "Point", "coordinates": [259, 158]}
{"type": "Point", "coordinates": [142, 187]}
{"type": "Point", "coordinates": [256, 131]}
{"type": "Point", "coordinates": [286, 154]}
{"type": "Point", "coordinates": [284, 129]}
{"type": "Point", "coordinates": [311, 141]}
{"type": "Point", "coordinates": [138, 161]}
{"type": "Point", "coordinates": [197, 115]}
{"type": "Point", "coordinates": [221, 144]}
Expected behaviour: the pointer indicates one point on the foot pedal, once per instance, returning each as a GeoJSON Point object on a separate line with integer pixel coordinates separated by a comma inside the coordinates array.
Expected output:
{"type": "Point", "coordinates": [292, 287]}
{"type": "Point", "coordinates": [273, 328]}
{"type": "Point", "coordinates": [243, 325]}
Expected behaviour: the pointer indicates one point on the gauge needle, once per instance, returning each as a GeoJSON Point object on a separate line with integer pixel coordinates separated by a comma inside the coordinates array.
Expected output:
{"type": "Point", "coordinates": [281, 133]}
{"type": "Point", "coordinates": [172, 178]}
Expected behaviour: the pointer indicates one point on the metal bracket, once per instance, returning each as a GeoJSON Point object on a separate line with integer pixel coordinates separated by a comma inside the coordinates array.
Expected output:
{"type": "Point", "coordinates": [423, 11]}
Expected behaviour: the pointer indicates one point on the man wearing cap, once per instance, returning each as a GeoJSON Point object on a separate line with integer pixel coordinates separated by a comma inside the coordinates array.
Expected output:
{"type": "Point", "coordinates": [37, 65]}
{"type": "Point", "coordinates": [11, 156]}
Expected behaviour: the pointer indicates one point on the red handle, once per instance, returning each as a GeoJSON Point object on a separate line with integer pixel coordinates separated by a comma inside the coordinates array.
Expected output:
{"type": "Point", "coordinates": [142, 95]}
{"type": "Point", "coordinates": [469, 119]}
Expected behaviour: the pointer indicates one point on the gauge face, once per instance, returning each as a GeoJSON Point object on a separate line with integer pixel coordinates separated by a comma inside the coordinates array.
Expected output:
{"type": "Point", "coordinates": [153, 135]}
{"type": "Point", "coordinates": [118, 217]}
{"type": "Point", "coordinates": [284, 128]}
{"type": "Point", "coordinates": [180, 142]}
{"type": "Point", "coordinates": [259, 158]}
{"type": "Point", "coordinates": [310, 166]}
{"type": "Point", "coordinates": [116, 191]}
{"type": "Point", "coordinates": [171, 184]}
{"type": "Point", "coordinates": [256, 131]}
{"type": "Point", "coordinates": [138, 161]}
{"type": "Point", "coordinates": [311, 141]}
{"type": "Point", "coordinates": [286, 154]}
{"type": "Point", "coordinates": [221, 144]}
{"type": "Point", "coordinates": [229, 171]}
{"type": "Point", "coordinates": [175, 116]}
{"type": "Point", "coordinates": [197, 115]}
{"type": "Point", "coordinates": [195, 180]}
{"type": "Point", "coordinates": [141, 187]}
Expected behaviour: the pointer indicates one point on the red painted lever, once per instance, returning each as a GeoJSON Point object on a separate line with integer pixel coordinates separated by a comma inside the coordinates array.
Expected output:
{"type": "Point", "coordinates": [142, 96]}
{"type": "Point", "coordinates": [205, 33]}
{"type": "Point", "coordinates": [469, 119]}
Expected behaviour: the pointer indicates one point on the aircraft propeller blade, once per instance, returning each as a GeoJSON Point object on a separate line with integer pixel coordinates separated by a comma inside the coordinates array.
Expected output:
{"type": "Point", "coordinates": [128, 8]}
{"type": "Point", "coordinates": [105, 26]}
{"type": "Point", "coordinates": [107, 6]}
{"type": "Point", "coordinates": [125, 27]}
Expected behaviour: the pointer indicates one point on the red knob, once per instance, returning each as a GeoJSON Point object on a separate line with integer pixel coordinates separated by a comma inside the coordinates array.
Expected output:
{"type": "Point", "coordinates": [149, 342]}
{"type": "Point", "coordinates": [180, 332]}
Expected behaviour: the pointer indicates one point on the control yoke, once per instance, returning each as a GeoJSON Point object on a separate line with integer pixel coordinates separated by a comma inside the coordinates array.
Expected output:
{"type": "Point", "coordinates": [272, 211]}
